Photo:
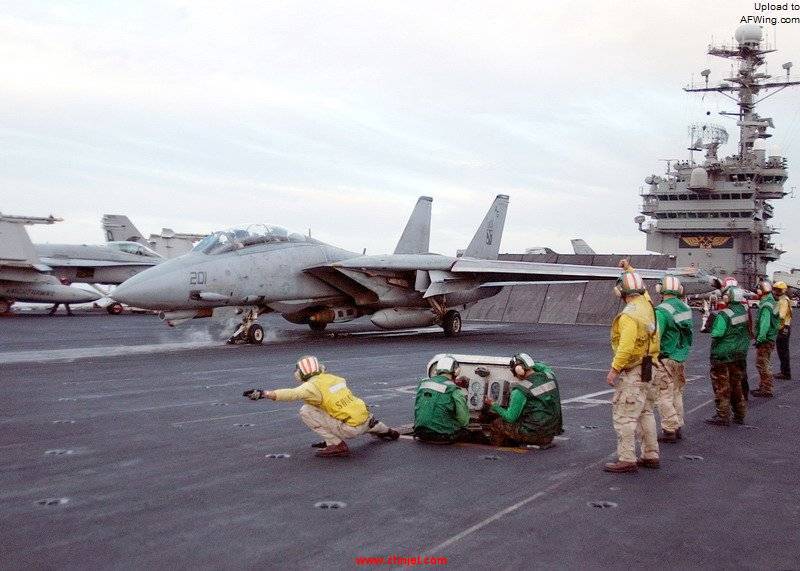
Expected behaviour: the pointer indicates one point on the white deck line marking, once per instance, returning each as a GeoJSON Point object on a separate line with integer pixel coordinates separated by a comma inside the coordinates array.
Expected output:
{"type": "Point", "coordinates": [231, 416]}
{"type": "Point", "coordinates": [572, 368]}
{"type": "Point", "coordinates": [529, 499]}
{"type": "Point", "coordinates": [698, 407]}
{"type": "Point", "coordinates": [589, 396]}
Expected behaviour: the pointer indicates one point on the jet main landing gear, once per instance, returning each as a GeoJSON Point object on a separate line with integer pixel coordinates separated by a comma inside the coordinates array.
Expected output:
{"type": "Point", "coordinates": [451, 323]}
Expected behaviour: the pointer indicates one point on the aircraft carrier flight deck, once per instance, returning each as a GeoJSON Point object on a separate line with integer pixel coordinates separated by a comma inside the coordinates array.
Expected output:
{"type": "Point", "coordinates": [128, 445]}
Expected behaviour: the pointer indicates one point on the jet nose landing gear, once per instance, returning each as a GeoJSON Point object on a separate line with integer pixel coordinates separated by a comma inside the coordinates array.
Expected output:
{"type": "Point", "coordinates": [248, 331]}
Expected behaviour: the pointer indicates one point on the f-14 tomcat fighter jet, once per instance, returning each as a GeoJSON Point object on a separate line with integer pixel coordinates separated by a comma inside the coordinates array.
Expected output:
{"type": "Point", "coordinates": [267, 269]}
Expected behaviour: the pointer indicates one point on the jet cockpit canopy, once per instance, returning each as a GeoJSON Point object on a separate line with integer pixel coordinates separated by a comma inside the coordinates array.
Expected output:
{"type": "Point", "coordinates": [133, 248]}
{"type": "Point", "coordinates": [243, 237]}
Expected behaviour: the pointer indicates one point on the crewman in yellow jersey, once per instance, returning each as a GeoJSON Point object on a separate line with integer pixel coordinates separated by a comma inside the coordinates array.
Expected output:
{"type": "Point", "coordinates": [785, 314]}
{"type": "Point", "coordinates": [331, 409]}
{"type": "Point", "coordinates": [635, 344]}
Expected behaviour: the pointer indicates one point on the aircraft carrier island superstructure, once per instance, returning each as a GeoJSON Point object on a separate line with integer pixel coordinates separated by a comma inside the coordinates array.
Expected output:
{"type": "Point", "coordinates": [715, 214]}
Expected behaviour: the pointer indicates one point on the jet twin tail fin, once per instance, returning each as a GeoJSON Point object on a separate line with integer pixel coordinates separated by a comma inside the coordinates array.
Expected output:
{"type": "Point", "coordinates": [485, 245]}
{"type": "Point", "coordinates": [120, 228]}
{"type": "Point", "coordinates": [416, 237]}
{"type": "Point", "coordinates": [579, 246]}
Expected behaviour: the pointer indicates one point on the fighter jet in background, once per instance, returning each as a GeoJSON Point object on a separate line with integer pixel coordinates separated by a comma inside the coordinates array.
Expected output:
{"type": "Point", "coordinates": [169, 244]}
{"type": "Point", "coordinates": [26, 277]}
{"type": "Point", "coordinates": [108, 264]}
{"type": "Point", "coordinates": [267, 269]}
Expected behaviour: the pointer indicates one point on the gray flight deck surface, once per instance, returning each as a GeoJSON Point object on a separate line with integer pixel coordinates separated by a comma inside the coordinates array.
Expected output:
{"type": "Point", "coordinates": [164, 463]}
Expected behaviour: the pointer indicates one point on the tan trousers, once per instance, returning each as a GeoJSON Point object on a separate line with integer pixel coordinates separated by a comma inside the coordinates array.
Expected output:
{"type": "Point", "coordinates": [332, 430]}
{"type": "Point", "coordinates": [632, 410]}
{"type": "Point", "coordinates": [669, 378]}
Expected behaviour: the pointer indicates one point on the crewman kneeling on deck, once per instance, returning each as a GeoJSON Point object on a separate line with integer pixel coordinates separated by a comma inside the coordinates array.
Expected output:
{"type": "Point", "coordinates": [440, 408]}
{"type": "Point", "coordinates": [331, 409]}
{"type": "Point", "coordinates": [533, 415]}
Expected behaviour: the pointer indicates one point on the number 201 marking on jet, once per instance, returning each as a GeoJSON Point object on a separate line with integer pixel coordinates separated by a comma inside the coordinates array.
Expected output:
{"type": "Point", "coordinates": [197, 278]}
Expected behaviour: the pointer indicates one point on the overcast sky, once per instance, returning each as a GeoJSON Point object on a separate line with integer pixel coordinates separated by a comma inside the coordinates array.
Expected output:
{"type": "Point", "coordinates": [335, 116]}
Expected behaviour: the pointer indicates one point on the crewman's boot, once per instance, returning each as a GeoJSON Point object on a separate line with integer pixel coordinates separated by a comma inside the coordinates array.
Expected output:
{"type": "Point", "coordinates": [337, 450]}
{"type": "Point", "coordinates": [322, 444]}
{"type": "Point", "coordinates": [761, 393]}
{"type": "Point", "coordinates": [390, 435]}
{"type": "Point", "coordinates": [784, 376]}
{"type": "Point", "coordinates": [679, 433]}
{"type": "Point", "coordinates": [668, 436]}
{"type": "Point", "coordinates": [738, 419]}
{"type": "Point", "coordinates": [653, 463]}
{"type": "Point", "coordinates": [621, 467]}
{"type": "Point", "coordinates": [717, 420]}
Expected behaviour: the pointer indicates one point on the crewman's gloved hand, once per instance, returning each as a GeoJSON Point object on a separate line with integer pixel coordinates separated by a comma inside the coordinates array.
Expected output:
{"type": "Point", "coordinates": [487, 402]}
{"type": "Point", "coordinates": [462, 382]}
{"type": "Point", "coordinates": [254, 394]}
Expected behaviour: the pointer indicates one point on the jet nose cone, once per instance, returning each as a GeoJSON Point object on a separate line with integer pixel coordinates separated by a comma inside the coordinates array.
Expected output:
{"type": "Point", "coordinates": [122, 293]}
{"type": "Point", "coordinates": [83, 296]}
{"type": "Point", "coordinates": [135, 291]}
{"type": "Point", "coordinates": [159, 287]}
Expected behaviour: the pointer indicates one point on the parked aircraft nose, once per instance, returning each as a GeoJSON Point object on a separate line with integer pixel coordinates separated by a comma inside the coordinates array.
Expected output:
{"type": "Point", "coordinates": [81, 296]}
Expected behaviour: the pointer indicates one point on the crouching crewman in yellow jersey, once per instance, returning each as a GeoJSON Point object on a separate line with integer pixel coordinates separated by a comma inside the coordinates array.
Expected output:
{"type": "Point", "coordinates": [331, 409]}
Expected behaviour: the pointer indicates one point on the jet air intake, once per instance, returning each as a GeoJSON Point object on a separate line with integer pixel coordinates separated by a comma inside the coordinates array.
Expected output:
{"type": "Point", "coordinates": [403, 317]}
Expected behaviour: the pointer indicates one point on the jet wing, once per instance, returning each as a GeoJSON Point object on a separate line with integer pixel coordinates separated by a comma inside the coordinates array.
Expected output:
{"type": "Point", "coordinates": [497, 270]}
{"type": "Point", "coordinates": [89, 263]}
{"type": "Point", "coordinates": [390, 278]}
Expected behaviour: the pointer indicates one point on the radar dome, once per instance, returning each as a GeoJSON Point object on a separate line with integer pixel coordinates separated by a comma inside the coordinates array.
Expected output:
{"type": "Point", "coordinates": [748, 35]}
{"type": "Point", "coordinates": [699, 180]}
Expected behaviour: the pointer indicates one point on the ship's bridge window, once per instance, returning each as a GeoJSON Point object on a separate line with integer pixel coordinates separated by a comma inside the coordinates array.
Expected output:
{"type": "Point", "coordinates": [713, 214]}
{"type": "Point", "coordinates": [725, 214]}
{"type": "Point", "coordinates": [702, 214]}
{"type": "Point", "coordinates": [747, 196]}
{"type": "Point", "coordinates": [682, 197]}
{"type": "Point", "coordinates": [692, 214]}
{"type": "Point", "coordinates": [734, 215]}
{"type": "Point", "coordinates": [671, 215]}
{"type": "Point", "coordinates": [238, 238]}
{"type": "Point", "coordinates": [745, 214]}
{"type": "Point", "coordinates": [725, 196]}
{"type": "Point", "coordinates": [735, 195]}
{"type": "Point", "coordinates": [692, 197]}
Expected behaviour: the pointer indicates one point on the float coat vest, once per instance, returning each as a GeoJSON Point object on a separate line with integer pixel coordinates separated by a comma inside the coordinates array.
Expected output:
{"type": "Point", "coordinates": [434, 406]}
{"type": "Point", "coordinates": [338, 401]}
{"type": "Point", "coordinates": [541, 414]}
{"type": "Point", "coordinates": [676, 338]}
{"type": "Point", "coordinates": [733, 345]}
{"type": "Point", "coordinates": [768, 309]}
